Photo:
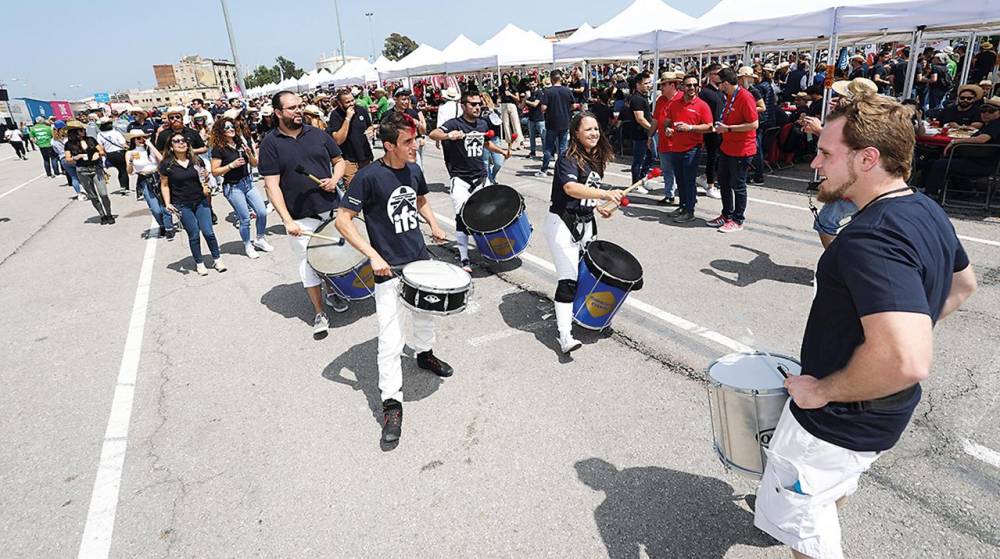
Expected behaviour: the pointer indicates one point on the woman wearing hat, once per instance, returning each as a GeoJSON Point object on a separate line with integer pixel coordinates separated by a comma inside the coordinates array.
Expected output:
{"type": "Point", "coordinates": [115, 146]}
{"type": "Point", "coordinates": [86, 153]}
{"type": "Point", "coordinates": [231, 161]}
{"type": "Point", "coordinates": [143, 161]}
{"type": "Point", "coordinates": [313, 116]}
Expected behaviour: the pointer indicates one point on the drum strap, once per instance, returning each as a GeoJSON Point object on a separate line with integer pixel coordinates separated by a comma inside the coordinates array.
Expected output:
{"type": "Point", "coordinates": [577, 224]}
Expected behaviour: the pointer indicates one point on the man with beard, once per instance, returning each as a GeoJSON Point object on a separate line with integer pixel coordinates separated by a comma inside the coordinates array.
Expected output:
{"type": "Point", "coordinates": [302, 204]}
{"type": "Point", "coordinates": [351, 129]}
{"type": "Point", "coordinates": [965, 112]}
{"type": "Point", "coordinates": [463, 140]}
{"type": "Point", "coordinates": [890, 275]}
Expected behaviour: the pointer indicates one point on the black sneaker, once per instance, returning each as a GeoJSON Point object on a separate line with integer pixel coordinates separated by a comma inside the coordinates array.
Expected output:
{"type": "Point", "coordinates": [104, 220]}
{"type": "Point", "coordinates": [756, 181]}
{"type": "Point", "coordinates": [215, 219]}
{"type": "Point", "coordinates": [170, 234]}
{"type": "Point", "coordinates": [677, 212]}
{"type": "Point", "coordinates": [685, 217]}
{"type": "Point", "coordinates": [428, 362]}
{"type": "Point", "coordinates": [111, 220]}
{"type": "Point", "coordinates": [668, 201]}
{"type": "Point", "coordinates": [392, 420]}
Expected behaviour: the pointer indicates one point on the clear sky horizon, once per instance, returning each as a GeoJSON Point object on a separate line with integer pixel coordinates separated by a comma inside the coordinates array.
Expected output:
{"type": "Point", "coordinates": [70, 49]}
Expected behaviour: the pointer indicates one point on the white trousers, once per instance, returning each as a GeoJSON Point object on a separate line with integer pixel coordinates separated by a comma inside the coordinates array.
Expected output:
{"type": "Point", "coordinates": [299, 246]}
{"type": "Point", "coordinates": [460, 192]}
{"type": "Point", "coordinates": [565, 251]}
{"type": "Point", "coordinates": [511, 119]}
{"type": "Point", "coordinates": [391, 313]}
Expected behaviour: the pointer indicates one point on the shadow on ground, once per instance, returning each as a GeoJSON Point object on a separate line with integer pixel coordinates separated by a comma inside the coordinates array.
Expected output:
{"type": "Point", "coordinates": [760, 268]}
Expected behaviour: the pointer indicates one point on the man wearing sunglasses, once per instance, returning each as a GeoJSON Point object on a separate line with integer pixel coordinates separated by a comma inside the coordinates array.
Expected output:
{"type": "Point", "coordinates": [686, 121]}
{"type": "Point", "coordinates": [965, 112]}
{"type": "Point", "coordinates": [173, 123]}
{"type": "Point", "coordinates": [463, 140]}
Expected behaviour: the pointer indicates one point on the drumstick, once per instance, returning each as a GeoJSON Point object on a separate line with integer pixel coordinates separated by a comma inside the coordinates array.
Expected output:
{"type": "Point", "coordinates": [324, 237]}
{"type": "Point", "coordinates": [654, 173]}
{"type": "Point", "coordinates": [302, 171]}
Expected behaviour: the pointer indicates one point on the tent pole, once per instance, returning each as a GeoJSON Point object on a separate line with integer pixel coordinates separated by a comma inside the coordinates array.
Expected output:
{"type": "Point", "coordinates": [831, 63]}
{"type": "Point", "coordinates": [701, 63]}
{"type": "Point", "coordinates": [656, 64]}
{"type": "Point", "coordinates": [911, 65]}
{"type": "Point", "coordinates": [812, 64]}
{"type": "Point", "coordinates": [967, 62]}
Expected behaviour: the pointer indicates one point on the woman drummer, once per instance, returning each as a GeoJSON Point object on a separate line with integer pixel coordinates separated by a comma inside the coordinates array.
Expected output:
{"type": "Point", "coordinates": [576, 192]}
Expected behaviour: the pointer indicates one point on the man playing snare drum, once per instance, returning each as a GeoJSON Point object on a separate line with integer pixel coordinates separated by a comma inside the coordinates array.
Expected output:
{"type": "Point", "coordinates": [882, 284]}
{"type": "Point", "coordinates": [391, 192]}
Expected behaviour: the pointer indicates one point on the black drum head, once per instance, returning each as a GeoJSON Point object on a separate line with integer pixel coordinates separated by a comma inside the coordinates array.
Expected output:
{"type": "Point", "coordinates": [613, 260]}
{"type": "Point", "coordinates": [491, 208]}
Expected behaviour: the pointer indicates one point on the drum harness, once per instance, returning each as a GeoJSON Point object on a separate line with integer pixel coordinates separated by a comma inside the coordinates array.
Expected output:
{"type": "Point", "coordinates": [577, 223]}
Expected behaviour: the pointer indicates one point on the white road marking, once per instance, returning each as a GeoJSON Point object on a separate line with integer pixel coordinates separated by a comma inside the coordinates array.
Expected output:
{"type": "Point", "coordinates": [96, 540]}
{"type": "Point", "coordinates": [981, 452]}
{"type": "Point", "coordinates": [20, 186]}
{"type": "Point", "coordinates": [635, 303]}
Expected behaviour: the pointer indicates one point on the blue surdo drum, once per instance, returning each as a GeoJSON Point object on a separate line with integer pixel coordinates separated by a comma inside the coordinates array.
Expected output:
{"type": "Point", "coordinates": [495, 218]}
{"type": "Point", "coordinates": [346, 271]}
{"type": "Point", "coordinates": [606, 275]}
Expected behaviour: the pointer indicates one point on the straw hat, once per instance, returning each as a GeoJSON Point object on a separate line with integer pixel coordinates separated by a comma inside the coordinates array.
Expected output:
{"type": "Point", "coordinates": [266, 110]}
{"type": "Point", "coordinates": [450, 94]}
{"type": "Point", "coordinates": [858, 57]}
{"type": "Point", "coordinates": [76, 124]}
{"type": "Point", "coordinates": [993, 101]}
{"type": "Point", "coordinates": [986, 45]}
{"type": "Point", "coordinates": [783, 65]}
{"type": "Point", "coordinates": [312, 110]}
{"type": "Point", "coordinates": [857, 86]}
{"type": "Point", "coordinates": [745, 72]}
{"type": "Point", "coordinates": [975, 89]}
{"type": "Point", "coordinates": [176, 109]}
{"type": "Point", "coordinates": [136, 109]}
{"type": "Point", "coordinates": [670, 77]}
{"type": "Point", "coordinates": [231, 113]}
{"type": "Point", "coordinates": [320, 97]}
{"type": "Point", "coordinates": [136, 133]}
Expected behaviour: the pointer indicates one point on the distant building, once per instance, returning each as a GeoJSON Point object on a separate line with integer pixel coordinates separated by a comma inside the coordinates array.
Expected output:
{"type": "Point", "coordinates": [164, 97]}
{"type": "Point", "coordinates": [194, 72]}
{"type": "Point", "coordinates": [333, 63]}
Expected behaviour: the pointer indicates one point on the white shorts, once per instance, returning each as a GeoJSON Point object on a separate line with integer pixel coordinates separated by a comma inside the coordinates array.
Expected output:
{"type": "Point", "coordinates": [805, 517]}
{"type": "Point", "coordinates": [300, 245]}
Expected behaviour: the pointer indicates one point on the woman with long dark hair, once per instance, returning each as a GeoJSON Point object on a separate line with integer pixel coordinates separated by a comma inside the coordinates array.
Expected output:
{"type": "Point", "coordinates": [84, 152]}
{"type": "Point", "coordinates": [231, 160]}
{"type": "Point", "coordinates": [576, 190]}
{"type": "Point", "coordinates": [184, 185]}
{"type": "Point", "coordinates": [143, 161]}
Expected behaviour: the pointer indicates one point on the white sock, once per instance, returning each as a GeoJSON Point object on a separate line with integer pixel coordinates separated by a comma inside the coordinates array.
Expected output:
{"type": "Point", "coordinates": [564, 319]}
{"type": "Point", "coordinates": [463, 244]}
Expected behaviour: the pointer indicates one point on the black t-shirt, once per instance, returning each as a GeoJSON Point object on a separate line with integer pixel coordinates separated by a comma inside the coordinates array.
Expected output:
{"type": "Point", "coordinates": [313, 149]}
{"type": "Point", "coordinates": [388, 199]}
{"type": "Point", "coordinates": [192, 136]}
{"type": "Point", "coordinates": [88, 147]}
{"type": "Point", "coordinates": [558, 107]}
{"type": "Point", "coordinates": [535, 114]}
{"type": "Point", "coordinates": [603, 114]}
{"type": "Point", "coordinates": [228, 155]}
{"type": "Point", "coordinates": [882, 72]}
{"type": "Point", "coordinates": [897, 255]}
{"type": "Point", "coordinates": [464, 158]}
{"type": "Point", "coordinates": [636, 102]}
{"type": "Point", "coordinates": [899, 74]}
{"type": "Point", "coordinates": [992, 129]}
{"type": "Point", "coordinates": [859, 72]}
{"type": "Point", "coordinates": [985, 62]}
{"type": "Point", "coordinates": [507, 94]}
{"type": "Point", "coordinates": [568, 169]}
{"type": "Point", "coordinates": [584, 96]}
{"type": "Point", "coordinates": [943, 82]}
{"type": "Point", "coordinates": [715, 99]}
{"type": "Point", "coordinates": [966, 117]}
{"type": "Point", "coordinates": [184, 182]}
{"type": "Point", "coordinates": [356, 146]}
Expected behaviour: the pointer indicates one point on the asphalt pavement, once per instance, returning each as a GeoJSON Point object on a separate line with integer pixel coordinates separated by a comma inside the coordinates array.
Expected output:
{"type": "Point", "coordinates": [148, 411]}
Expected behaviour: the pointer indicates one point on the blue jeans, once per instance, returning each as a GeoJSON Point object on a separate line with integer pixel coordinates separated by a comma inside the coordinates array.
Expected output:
{"type": "Point", "coordinates": [242, 196]}
{"type": "Point", "coordinates": [147, 185]}
{"type": "Point", "coordinates": [667, 166]}
{"type": "Point", "coordinates": [196, 217]}
{"type": "Point", "coordinates": [685, 169]}
{"type": "Point", "coordinates": [536, 128]}
{"type": "Point", "coordinates": [638, 159]}
{"type": "Point", "coordinates": [935, 98]}
{"type": "Point", "coordinates": [554, 139]}
{"type": "Point", "coordinates": [830, 216]}
{"type": "Point", "coordinates": [494, 162]}
{"type": "Point", "coordinates": [74, 180]}
{"type": "Point", "coordinates": [733, 182]}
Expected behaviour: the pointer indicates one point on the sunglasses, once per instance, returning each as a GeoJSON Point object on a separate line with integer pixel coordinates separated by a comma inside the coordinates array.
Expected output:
{"type": "Point", "coordinates": [174, 117]}
{"type": "Point", "coordinates": [178, 141]}
{"type": "Point", "coordinates": [228, 127]}
{"type": "Point", "coordinates": [690, 85]}
{"type": "Point", "coordinates": [480, 104]}
{"type": "Point", "coordinates": [966, 98]}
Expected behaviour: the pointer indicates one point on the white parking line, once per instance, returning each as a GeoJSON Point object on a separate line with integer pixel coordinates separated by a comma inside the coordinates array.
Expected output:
{"type": "Point", "coordinates": [632, 301]}
{"type": "Point", "coordinates": [20, 186]}
{"type": "Point", "coordinates": [981, 452]}
{"type": "Point", "coordinates": [96, 540]}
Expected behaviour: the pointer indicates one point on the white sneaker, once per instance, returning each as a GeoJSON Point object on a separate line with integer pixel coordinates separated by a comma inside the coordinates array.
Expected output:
{"type": "Point", "coordinates": [713, 192]}
{"type": "Point", "coordinates": [702, 184]}
{"type": "Point", "coordinates": [321, 326]}
{"type": "Point", "coordinates": [81, 196]}
{"type": "Point", "coordinates": [251, 253]}
{"type": "Point", "coordinates": [261, 244]}
{"type": "Point", "coordinates": [201, 269]}
{"type": "Point", "coordinates": [219, 266]}
{"type": "Point", "coordinates": [569, 344]}
{"type": "Point", "coordinates": [642, 189]}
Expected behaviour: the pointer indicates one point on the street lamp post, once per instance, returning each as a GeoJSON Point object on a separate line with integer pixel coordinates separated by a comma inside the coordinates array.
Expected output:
{"type": "Point", "coordinates": [340, 33]}
{"type": "Point", "coordinates": [371, 33]}
{"type": "Point", "coordinates": [232, 47]}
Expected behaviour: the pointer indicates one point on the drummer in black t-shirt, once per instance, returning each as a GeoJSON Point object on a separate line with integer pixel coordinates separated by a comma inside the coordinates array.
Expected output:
{"type": "Point", "coordinates": [351, 129]}
{"type": "Point", "coordinates": [391, 192]}
{"type": "Point", "coordinates": [463, 140]}
{"type": "Point", "coordinates": [404, 104]}
{"type": "Point", "coordinates": [893, 272]}
{"type": "Point", "coordinates": [576, 190]}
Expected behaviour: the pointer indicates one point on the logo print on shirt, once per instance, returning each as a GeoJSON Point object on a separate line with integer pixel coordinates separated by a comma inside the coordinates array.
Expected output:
{"type": "Point", "coordinates": [402, 209]}
{"type": "Point", "coordinates": [593, 181]}
{"type": "Point", "coordinates": [474, 144]}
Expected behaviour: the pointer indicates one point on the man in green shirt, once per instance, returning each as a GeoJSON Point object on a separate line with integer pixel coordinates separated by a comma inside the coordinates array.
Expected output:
{"type": "Point", "coordinates": [41, 132]}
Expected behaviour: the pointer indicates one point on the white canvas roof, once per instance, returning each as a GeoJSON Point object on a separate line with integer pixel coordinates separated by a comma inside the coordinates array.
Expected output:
{"type": "Point", "coordinates": [462, 55]}
{"type": "Point", "coordinates": [424, 55]}
{"type": "Point", "coordinates": [514, 46]}
{"type": "Point", "coordinates": [638, 28]}
{"type": "Point", "coordinates": [355, 72]}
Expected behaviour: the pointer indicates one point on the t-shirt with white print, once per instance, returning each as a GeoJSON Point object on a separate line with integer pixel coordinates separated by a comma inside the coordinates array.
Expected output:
{"type": "Point", "coordinates": [387, 199]}
{"type": "Point", "coordinates": [464, 158]}
{"type": "Point", "coordinates": [568, 169]}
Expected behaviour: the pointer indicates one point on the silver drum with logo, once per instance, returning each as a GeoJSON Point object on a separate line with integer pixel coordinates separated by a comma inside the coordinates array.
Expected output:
{"type": "Point", "coordinates": [745, 400]}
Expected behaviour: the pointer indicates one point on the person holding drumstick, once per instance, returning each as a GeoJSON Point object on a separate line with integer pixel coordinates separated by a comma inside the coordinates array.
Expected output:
{"type": "Point", "coordinates": [576, 189]}
{"type": "Point", "coordinates": [304, 200]}
{"type": "Point", "coordinates": [391, 192]}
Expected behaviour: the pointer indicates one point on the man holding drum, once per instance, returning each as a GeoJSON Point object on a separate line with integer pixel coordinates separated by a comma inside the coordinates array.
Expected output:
{"type": "Point", "coordinates": [302, 203]}
{"type": "Point", "coordinates": [894, 271]}
{"type": "Point", "coordinates": [463, 140]}
{"type": "Point", "coordinates": [391, 192]}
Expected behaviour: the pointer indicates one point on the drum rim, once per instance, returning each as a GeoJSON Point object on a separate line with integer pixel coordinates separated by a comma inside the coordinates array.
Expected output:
{"type": "Point", "coordinates": [436, 290]}
{"type": "Point", "coordinates": [590, 261]}
{"type": "Point", "coordinates": [751, 391]}
{"type": "Point", "coordinates": [322, 227]}
{"type": "Point", "coordinates": [435, 313]}
{"type": "Point", "coordinates": [509, 223]}
{"type": "Point", "coordinates": [730, 465]}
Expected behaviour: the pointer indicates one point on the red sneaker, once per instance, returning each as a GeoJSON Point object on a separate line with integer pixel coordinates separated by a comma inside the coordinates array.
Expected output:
{"type": "Point", "coordinates": [730, 227]}
{"type": "Point", "coordinates": [717, 222]}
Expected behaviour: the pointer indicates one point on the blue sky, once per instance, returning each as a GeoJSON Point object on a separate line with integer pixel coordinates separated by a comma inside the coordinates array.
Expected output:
{"type": "Point", "coordinates": [67, 49]}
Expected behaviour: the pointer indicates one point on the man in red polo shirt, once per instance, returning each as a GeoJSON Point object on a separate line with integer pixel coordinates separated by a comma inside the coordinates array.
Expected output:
{"type": "Point", "coordinates": [687, 120]}
{"type": "Point", "coordinates": [668, 94]}
{"type": "Point", "coordinates": [739, 144]}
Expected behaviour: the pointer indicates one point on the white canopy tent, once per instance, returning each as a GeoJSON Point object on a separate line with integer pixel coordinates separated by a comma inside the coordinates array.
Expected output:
{"type": "Point", "coordinates": [355, 72]}
{"type": "Point", "coordinates": [582, 33]}
{"type": "Point", "coordinates": [463, 55]}
{"type": "Point", "coordinates": [424, 55]}
{"type": "Point", "coordinates": [639, 28]}
{"type": "Point", "coordinates": [514, 46]}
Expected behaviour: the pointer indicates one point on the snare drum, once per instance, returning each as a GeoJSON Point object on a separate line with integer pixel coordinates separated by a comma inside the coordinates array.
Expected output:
{"type": "Point", "coordinates": [494, 117]}
{"type": "Point", "coordinates": [606, 275]}
{"type": "Point", "coordinates": [432, 287]}
{"type": "Point", "coordinates": [745, 400]}
{"type": "Point", "coordinates": [495, 218]}
{"type": "Point", "coordinates": [345, 270]}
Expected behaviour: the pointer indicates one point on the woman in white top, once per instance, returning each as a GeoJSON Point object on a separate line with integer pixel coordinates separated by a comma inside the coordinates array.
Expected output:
{"type": "Point", "coordinates": [115, 146]}
{"type": "Point", "coordinates": [143, 161]}
{"type": "Point", "coordinates": [16, 141]}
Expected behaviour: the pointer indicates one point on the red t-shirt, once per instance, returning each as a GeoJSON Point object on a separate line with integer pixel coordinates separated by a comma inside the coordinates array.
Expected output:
{"type": "Point", "coordinates": [659, 114]}
{"type": "Point", "coordinates": [696, 112]}
{"type": "Point", "coordinates": [742, 110]}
